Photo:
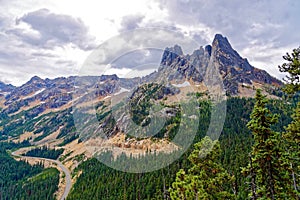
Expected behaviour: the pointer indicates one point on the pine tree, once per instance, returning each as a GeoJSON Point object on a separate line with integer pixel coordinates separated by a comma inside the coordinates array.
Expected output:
{"type": "Point", "coordinates": [292, 147]}
{"type": "Point", "coordinates": [292, 67]}
{"type": "Point", "coordinates": [291, 135]}
{"type": "Point", "coordinates": [266, 168]}
{"type": "Point", "coordinates": [206, 179]}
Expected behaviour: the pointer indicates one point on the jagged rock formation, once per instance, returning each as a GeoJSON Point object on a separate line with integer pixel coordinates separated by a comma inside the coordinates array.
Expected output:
{"type": "Point", "coordinates": [233, 69]}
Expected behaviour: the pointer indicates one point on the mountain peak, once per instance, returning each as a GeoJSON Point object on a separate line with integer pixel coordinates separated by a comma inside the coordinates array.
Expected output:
{"type": "Point", "coordinates": [35, 79]}
{"type": "Point", "coordinates": [176, 50]}
{"type": "Point", "coordinates": [234, 70]}
{"type": "Point", "coordinates": [170, 53]}
{"type": "Point", "coordinates": [221, 42]}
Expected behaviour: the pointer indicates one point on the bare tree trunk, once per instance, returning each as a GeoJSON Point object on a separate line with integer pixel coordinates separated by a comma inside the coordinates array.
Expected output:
{"type": "Point", "coordinates": [294, 180]}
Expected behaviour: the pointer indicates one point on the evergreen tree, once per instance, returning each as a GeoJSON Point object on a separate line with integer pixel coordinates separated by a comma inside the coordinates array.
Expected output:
{"type": "Point", "coordinates": [292, 147]}
{"type": "Point", "coordinates": [292, 67]}
{"type": "Point", "coordinates": [292, 134]}
{"type": "Point", "coordinates": [206, 179]}
{"type": "Point", "coordinates": [266, 167]}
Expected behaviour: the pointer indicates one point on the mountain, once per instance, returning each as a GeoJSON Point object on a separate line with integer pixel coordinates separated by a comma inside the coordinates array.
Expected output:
{"type": "Point", "coordinates": [238, 76]}
{"type": "Point", "coordinates": [178, 72]}
{"type": "Point", "coordinates": [82, 116]}
{"type": "Point", "coordinates": [234, 70]}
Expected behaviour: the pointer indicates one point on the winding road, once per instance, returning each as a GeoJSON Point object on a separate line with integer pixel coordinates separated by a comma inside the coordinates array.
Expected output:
{"type": "Point", "coordinates": [66, 171]}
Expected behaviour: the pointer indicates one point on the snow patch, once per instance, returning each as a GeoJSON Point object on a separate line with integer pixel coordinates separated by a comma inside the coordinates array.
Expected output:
{"type": "Point", "coordinates": [184, 84]}
{"type": "Point", "coordinates": [34, 94]}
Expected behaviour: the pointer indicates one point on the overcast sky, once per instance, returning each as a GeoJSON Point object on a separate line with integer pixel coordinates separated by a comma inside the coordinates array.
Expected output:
{"type": "Point", "coordinates": [54, 38]}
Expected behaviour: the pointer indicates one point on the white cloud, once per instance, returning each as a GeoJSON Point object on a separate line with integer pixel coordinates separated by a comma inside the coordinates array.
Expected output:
{"type": "Point", "coordinates": [261, 31]}
{"type": "Point", "coordinates": [48, 30]}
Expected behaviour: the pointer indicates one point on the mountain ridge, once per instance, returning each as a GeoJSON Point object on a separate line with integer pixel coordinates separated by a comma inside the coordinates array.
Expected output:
{"type": "Point", "coordinates": [234, 69]}
{"type": "Point", "coordinates": [238, 76]}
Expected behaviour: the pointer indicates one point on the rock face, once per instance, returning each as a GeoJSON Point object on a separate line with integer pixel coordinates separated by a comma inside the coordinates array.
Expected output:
{"type": "Point", "coordinates": [177, 66]}
{"type": "Point", "coordinates": [233, 69]}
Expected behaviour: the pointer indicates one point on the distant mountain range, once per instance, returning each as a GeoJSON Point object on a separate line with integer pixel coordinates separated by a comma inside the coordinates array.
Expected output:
{"type": "Point", "coordinates": [41, 110]}
{"type": "Point", "coordinates": [238, 76]}
{"type": "Point", "coordinates": [233, 68]}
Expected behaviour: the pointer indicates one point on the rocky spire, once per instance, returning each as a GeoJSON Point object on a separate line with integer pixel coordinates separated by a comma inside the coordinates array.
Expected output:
{"type": "Point", "coordinates": [234, 69]}
{"type": "Point", "coordinates": [170, 54]}
{"type": "Point", "coordinates": [221, 42]}
{"type": "Point", "coordinates": [227, 55]}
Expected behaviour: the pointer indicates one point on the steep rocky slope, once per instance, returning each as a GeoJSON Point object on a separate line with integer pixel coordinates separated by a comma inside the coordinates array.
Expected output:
{"type": "Point", "coordinates": [233, 69]}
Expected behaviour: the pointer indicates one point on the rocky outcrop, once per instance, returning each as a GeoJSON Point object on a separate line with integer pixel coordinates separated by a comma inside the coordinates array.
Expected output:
{"type": "Point", "coordinates": [233, 69]}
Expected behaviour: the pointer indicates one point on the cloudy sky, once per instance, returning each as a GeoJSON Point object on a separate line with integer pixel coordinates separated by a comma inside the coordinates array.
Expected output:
{"type": "Point", "coordinates": [54, 38]}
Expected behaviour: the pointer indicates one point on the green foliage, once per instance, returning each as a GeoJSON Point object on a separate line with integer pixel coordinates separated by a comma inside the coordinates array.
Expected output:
{"type": "Point", "coordinates": [101, 116]}
{"type": "Point", "coordinates": [142, 100]}
{"type": "Point", "coordinates": [45, 152]}
{"type": "Point", "coordinates": [12, 170]}
{"type": "Point", "coordinates": [99, 105]}
{"type": "Point", "coordinates": [17, 124]}
{"type": "Point", "coordinates": [235, 142]}
{"type": "Point", "coordinates": [19, 180]}
{"type": "Point", "coordinates": [46, 124]}
{"type": "Point", "coordinates": [292, 149]}
{"type": "Point", "coordinates": [43, 185]}
{"type": "Point", "coordinates": [206, 179]}
{"type": "Point", "coordinates": [44, 174]}
{"type": "Point", "coordinates": [93, 183]}
{"type": "Point", "coordinates": [12, 145]}
{"type": "Point", "coordinates": [292, 67]}
{"type": "Point", "coordinates": [266, 168]}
